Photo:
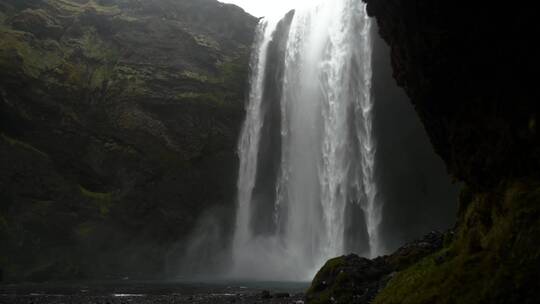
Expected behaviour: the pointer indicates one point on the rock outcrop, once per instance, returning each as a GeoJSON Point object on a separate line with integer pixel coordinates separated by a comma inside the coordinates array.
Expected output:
{"type": "Point", "coordinates": [118, 123]}
{"type": "Point", "coordinates": [355, 280]}
{"type": "Point", "coordinates": [467, 69]}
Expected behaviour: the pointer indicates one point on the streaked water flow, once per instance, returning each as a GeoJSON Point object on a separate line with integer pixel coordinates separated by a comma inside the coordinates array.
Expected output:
{"type": "Point", "coordinates": [313, 72]}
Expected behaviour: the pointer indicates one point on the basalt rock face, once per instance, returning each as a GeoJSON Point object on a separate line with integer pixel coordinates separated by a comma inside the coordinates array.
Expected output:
{"type": "Point", "coordinates": [348, 279]}
{"type": "Point", "coordinates": [355, 280]}
{"type": "Point", "coordinates": [118, 122]}
{"type": "Point", "coordinates": [467, 69]}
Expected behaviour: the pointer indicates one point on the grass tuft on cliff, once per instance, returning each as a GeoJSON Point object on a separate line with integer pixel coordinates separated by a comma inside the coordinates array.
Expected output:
{"type": "Point", "coordinates": [494, 258]}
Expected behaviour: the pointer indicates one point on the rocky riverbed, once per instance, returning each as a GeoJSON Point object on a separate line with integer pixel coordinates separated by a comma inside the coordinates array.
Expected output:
{"type": "Point", "coordinates": [152, 293]}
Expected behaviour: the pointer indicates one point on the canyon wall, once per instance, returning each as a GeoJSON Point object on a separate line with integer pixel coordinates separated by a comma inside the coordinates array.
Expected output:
{"type": "Point", "coordinates": [119, 121]}
{"type": "Point", "coordinates": [468, 69]}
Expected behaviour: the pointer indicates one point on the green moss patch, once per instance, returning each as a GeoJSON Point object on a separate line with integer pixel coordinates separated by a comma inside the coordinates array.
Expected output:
{"type": "Point", "coordinates": [234, 74]}
{"type": "Point", "coordinates": [347, 279]}
{"type": "Point", "coordinates": [495, 257]}
{"type": "Point", "coordinates": [3, 225]}
{"type": "Point", "coordinates": [94, 48]}
{"type": "Point", "coordinates": [73, 7]}
{"type": "Point", "coordinates": [320, 293]}
{"type": "Point", "coordinates": [103, 201]}
{"type": "Point", "coordinates": [19, 53]}
{"type": "Point", "coordinates": [86, 229]}
{"type": "Point", "coordinates": [196, 76]}
{"type": "Point", "coordinates": [2, 17]}
{"type": "Point", "coordinates": [206, 41]}
{"type": "Point", "coordinates": [22, 145]}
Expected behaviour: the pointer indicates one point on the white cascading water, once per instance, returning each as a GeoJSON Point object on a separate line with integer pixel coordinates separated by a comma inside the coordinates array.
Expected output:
{"type": "Point", "coordinates": [250, 136]}
{"type": "Point", "coordinates": [327, 145]}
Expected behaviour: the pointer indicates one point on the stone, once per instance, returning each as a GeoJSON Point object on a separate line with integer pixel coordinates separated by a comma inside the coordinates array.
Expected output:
{"type": "Point", "coordinates": [116, 118]}
{"type": "Point", "coordinates": [265, 294]}
{"type": "Point", "coordinates": [355, 280]}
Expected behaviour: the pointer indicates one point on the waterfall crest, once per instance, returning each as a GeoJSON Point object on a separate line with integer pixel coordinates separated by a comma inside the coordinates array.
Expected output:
{"type": "Point", "coordinates": [306, 186]}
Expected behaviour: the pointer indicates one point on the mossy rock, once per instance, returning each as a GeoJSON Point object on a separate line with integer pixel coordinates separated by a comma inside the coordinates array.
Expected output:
{"type": "Point", "coordinates": [103, 201]}
{"type": "Point", "coordinates": [352, 279]}
{"type": "Point", "coordinates": [124, 119]}
{"type": "Point", "coordinates": [22, 145]}
{"type": "Point", "coordinates": [413, 252]}
{"type": "Point", "coordinates": [495, 257]}
{"type": "Point", "coordinates": [37, 22]}
{"type": "Point", "coordinates": [21, 56]}
{"type": "Point", "coordinates": [2, 17]}
{"type": "Point", "coordinates": [347, 280]}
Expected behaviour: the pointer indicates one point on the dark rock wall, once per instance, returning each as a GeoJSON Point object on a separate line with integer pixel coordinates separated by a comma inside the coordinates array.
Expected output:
{"type": "Point", "coordinates": [413, 184]}
{"type": "Point", "coordinates": [355, 280]}
{"type": "Point", "coordinates": [467, 68]}
{"type": "Point", "coordinates": [118, 121]}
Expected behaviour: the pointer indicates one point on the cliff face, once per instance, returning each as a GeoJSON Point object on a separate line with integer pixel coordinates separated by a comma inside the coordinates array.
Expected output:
{"type": "Point", "coordinates": [467, 68]}
{"type": "Point", "coordinates": [118, 123]}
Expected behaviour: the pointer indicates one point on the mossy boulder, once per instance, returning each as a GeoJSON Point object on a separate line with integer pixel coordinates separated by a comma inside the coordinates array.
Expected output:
{"type": "Point", "coordinates": [355, 280]}
{"type": "Point", "coordinates": [495, 257]}
{"type": "Point", "coordinates": [413, 252]}
{"type": "Point", "coordinates": [37, 22]}
{"type": "Point", "coordinates": [348, 280]}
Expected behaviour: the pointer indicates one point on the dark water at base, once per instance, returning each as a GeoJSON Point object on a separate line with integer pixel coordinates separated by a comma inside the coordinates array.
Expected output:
{"type": "Point", "coordinates": [128, 292]}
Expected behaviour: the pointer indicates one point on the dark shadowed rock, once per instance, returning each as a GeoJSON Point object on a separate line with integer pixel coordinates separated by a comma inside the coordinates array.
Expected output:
{"type": "Point", "coordinates": [416, 250]}
{"type": "Point", "coordinates": [265, 294]}
{"type": "Point", "coordinates": [451, 62]}
{"type": "Point", "coordinates": [355, 280]}
{"type": "Point", "coordinates": [118, 124]}
{"type": "Point", "coordinates": [37, 22]}
{"type": "Point", "coordinates": [282, 295]}
{"type": "Point", "coordinates": [477, 100]}
{"type": "Point", "coordinates": [348, 279]}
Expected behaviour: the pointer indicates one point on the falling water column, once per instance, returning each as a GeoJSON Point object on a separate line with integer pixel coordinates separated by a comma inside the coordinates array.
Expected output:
{"type": "Point", "coordinates": [248, 146]}
{"type": "Point", "coordinates": [327, 145]}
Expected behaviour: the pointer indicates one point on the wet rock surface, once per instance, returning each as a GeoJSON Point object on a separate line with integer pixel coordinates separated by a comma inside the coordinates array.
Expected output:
{"type": "Point", "coordinates": [454, 64]}
{"type": "Point", "coordinates": [451, 61]}
{"type": "Point", "coordinates": [355, 280]}
{"type": "Point", "coordinates": [118, 126]}
{"type": "Point", "coordinates": [148, 294]}
{"type": "Point", "coordinates": [250, 298]}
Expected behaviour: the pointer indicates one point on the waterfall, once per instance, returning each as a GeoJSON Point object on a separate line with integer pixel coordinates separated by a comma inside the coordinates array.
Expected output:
{"type": "Point", "coordinates": [306, 186]}
{"type": "Point", "coordinates": [250, 136]}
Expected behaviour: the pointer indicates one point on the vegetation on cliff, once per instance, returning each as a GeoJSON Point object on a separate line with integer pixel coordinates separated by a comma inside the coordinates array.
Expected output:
{"type": "Point", "coordinates": [355, 280]}
{"type": "Point", "coordinates": [494, 258]}
{"type": "Point", "coordinates": [119, 122]}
